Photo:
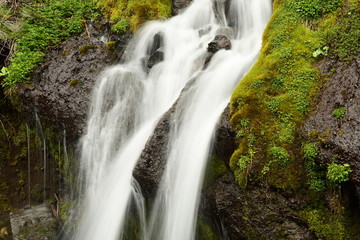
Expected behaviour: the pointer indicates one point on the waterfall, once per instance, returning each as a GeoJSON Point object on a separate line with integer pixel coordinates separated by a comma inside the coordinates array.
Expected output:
{"type": "Point", "coordinates": [129, 99]}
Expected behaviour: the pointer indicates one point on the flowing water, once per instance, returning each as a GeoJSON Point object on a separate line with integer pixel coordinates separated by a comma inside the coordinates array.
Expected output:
{"type": "Point", "coordinates": [128, 101]}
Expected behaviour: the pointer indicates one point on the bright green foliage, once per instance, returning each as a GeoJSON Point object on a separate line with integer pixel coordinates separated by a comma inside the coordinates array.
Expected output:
{"type": "Point", "coordinates": [279, 155]}
{"type": "Point", "coordinates": [278, 92]}
{"type": "Point", "coordinates": [44, 26]}
{"type": "Point", "coordinates": [337, 173]}
{"type": "Point", "coordinates": [121, 26]}
{"type": "Point", "coordinates": [312, 9]}
{"type": "Point", "coordinates": [310, 151]}
{"type": "Point", "coordinates": [321, 51]}
{"type": "Point", "coordinates": [243, 162]}
{"type": "Point", "coordinates": [339, 113]}
{"type": "Point", "coordinates": [135, 12]}
{"type": "Point", "coordinates": [315, 174]}
{"type": "Point", "coordinates": [325, 224]}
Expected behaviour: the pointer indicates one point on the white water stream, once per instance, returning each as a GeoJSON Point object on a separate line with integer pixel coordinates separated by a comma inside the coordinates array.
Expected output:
{"type": "Point", "coordinates": [128, 102]}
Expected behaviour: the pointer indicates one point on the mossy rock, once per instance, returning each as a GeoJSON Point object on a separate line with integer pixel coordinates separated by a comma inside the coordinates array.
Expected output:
{"type": "Point", "coordinates": [84, 49]}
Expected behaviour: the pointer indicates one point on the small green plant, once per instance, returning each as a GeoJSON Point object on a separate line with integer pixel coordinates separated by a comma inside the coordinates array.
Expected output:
{"type": "Point", "coordinates": [111, 46]}
{"type": "Point", "coordinates": [243, 162]}
{"type": "Point", "coordinates": [337, 173]}
{"type": "Point", "coordinates": [339, 113]}
{"type": "Point", "coordinates": [279, 155]}
{"type": "Point", "coordinates": [121, 26]}
{"type": "Point", "coordinates": [74, 83]}
{"type": "Point", "coordinates": [321, 51]}
{"type": "Point", "coordinates": [84, 49]}
{"type": "Point", "coordinates": [310, 151]}
{"type": "Point", "coordinates": [314, 172]}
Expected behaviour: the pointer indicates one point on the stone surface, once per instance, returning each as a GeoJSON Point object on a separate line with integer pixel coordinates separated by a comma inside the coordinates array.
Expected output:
{"type": "Point", "coordinates": [255, 213]}
{"type": "Point", "coordinates": [180, 5]}
{"type": "Point", "coordinates": [62, 87]}
{"type": "Point", "coordinates": [218, 43]}
{"type": "Point", "coordinates": [339, 139]}
{"type": "Point", "coordinates": [36, 223]}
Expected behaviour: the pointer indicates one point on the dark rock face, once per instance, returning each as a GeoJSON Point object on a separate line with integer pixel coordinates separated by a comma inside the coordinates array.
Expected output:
{"type": "Point", "coordinates": [254, 213]}
{"type": "Point", "coordinates": [339, 138]}
{"type": "Point", "coordinates": [61, 91]}
{"type": "Point", "coordinates": [225, 137]}
{"type": "Point", "coordinates": [151, 164]}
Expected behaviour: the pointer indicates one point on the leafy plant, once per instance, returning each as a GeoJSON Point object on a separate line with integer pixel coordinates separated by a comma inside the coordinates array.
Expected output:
{"type": "Point", "coordinates": [339, 113]}
{"type": "Point", "coordinates": [337, 173]}
{"type": "Point", "coordinates": [121, 26]}
{"type": "Point", "coordinates": [321, 51]}
{"type": "Point", "coordinates": [44, 26]}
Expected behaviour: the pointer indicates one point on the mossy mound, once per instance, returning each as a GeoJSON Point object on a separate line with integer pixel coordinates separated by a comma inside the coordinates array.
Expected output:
{"type": "Point", "coordinates": [133, 13]}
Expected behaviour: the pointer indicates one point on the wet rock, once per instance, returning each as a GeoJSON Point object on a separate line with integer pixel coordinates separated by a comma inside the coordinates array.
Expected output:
{"type": "Point", "coordinates": [226, 31]}
{"type": "Point", "coordinates": [180, 5]}
{"type": "Point", "coordinates": [338, 138]}
{"type": "Point", "coordinates": [36, 223]}
{"type": "Point", "coordinates": [225, 138]}
{"type": "Point", "coordinates": [151, 164]}
{"type": "Point", "coordinates": [62, 85]}
{"type": "Point", "coordinates": [255, 213]}
{"type": "Point", "coordinates": [155, 58]}
{"type": "Point", "coordinates": [218, 43]}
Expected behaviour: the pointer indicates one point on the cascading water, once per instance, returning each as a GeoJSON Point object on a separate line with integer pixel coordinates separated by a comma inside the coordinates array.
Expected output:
{"type": "Point", "coordinates": [128, 102]}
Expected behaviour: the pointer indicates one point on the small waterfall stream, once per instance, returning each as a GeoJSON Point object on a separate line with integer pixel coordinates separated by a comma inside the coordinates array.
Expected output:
{"type": "Point", "coordinates": [128, 101]}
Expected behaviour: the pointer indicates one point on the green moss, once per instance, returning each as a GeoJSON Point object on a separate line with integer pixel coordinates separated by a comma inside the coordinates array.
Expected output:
{"type": "Point", "coordinates": [84, 49]}
{"type": "Point", "coordinates": [135, 12]}
{"type": "Point", "coordinates": [215, 168]}
{"type": "Point", "coordinates": [41, 27]}
{"type": "Point", "coordinates": [121, 26]}
{"type": "Point", "coordinates": [339, 113]}
{"type": "Point", "coordinates": [325, 224]}
{"type": "Point", "coordinates": [64, 210]}
{"type": "Point", "coordinates": [111, 46]}
{"type": "Point", "coordinates": [205, 231]}
{"type": "Point", "coordinates": [337, 173]}
{"type": "Point", "coordinates": [74, 83]}
{"type": "Point", "coordinates": [277, 94]}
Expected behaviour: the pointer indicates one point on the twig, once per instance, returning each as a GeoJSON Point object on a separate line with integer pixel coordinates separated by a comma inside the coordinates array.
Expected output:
{"type": "Point", "coordinates": [87, 30]}
{"type": "Point", "coordinates": [7, 135]}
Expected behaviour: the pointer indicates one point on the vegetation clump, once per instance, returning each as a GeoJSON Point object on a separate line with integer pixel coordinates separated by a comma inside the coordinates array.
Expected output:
{"type": "Point", "coordinates": [337, 173]}
{"type": "Point", "coordinates": [44, 25]}
{"type": "Point", "coordinates": [339, 113]}
{"type": "Point", "coordinates": [278, 93]}
{"type": "Point", "coordinates": [132, 14]}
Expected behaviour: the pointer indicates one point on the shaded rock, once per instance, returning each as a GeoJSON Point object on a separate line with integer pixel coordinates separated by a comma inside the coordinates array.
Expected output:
{"type": "Point", "coordinates": [339, 138]}
{"type": "Point", "coordinates": [36, 223]}
{"type": "Point", "coordinates": [151, 164]}
{"type": "Point", "coordinates": [180, 5]}
{"type": "Point", "coordinates": [225, 137]}
{"type": "Point", "coordinates": [255, 213]}
{"type": "Point", "coordinates": [218, 43]}
{"type": "Point", "coordinates": [63, 83]}
{"type": "Point", "coordinates": [155, 58]}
